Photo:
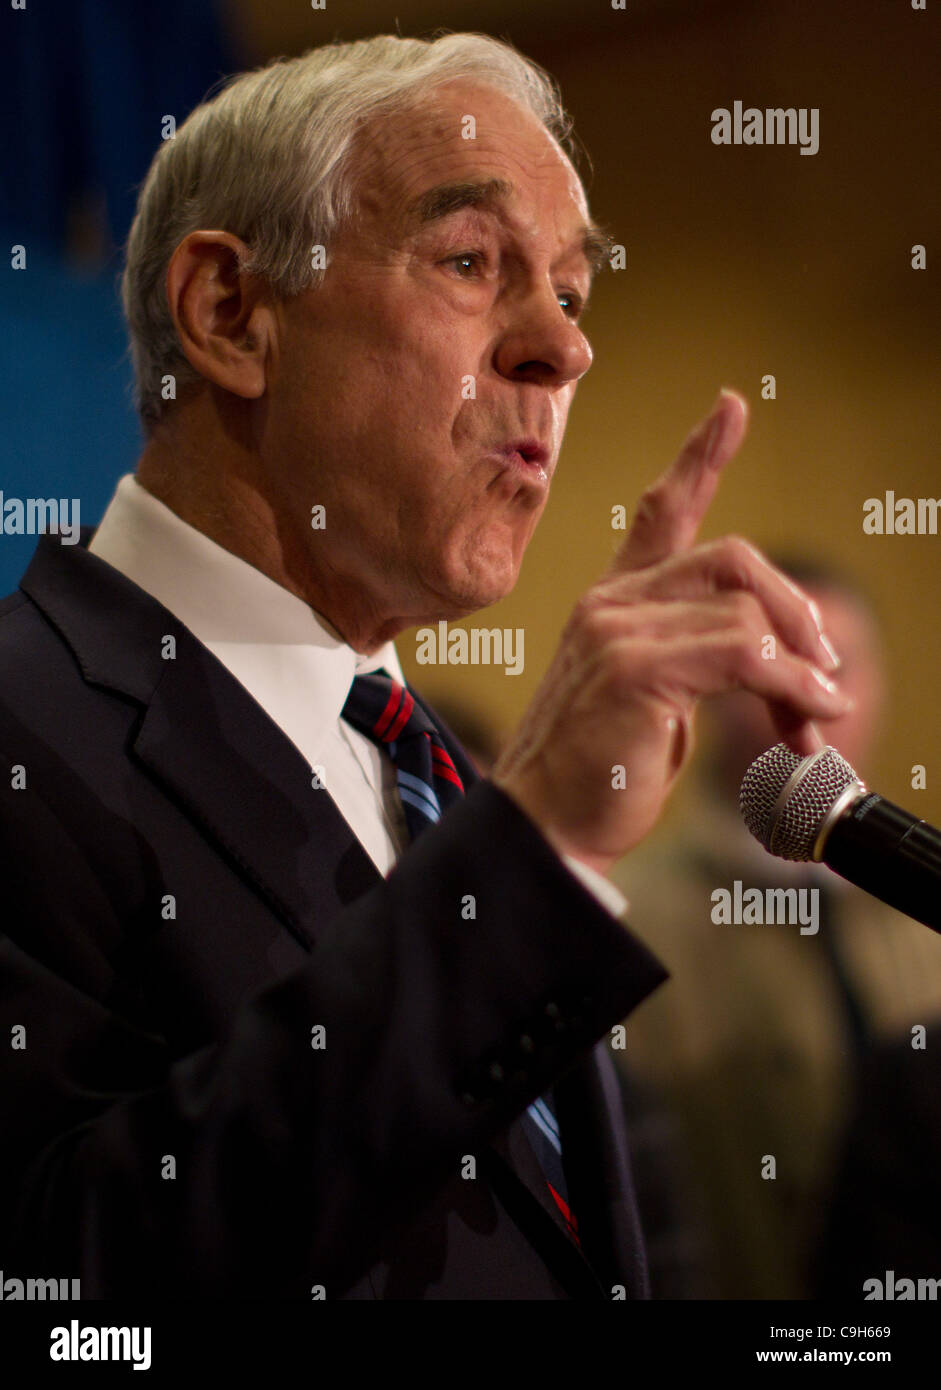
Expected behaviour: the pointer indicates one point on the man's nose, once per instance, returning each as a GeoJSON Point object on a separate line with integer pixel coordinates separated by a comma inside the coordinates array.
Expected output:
{"type": "Point", "coordinates": [541, 343]}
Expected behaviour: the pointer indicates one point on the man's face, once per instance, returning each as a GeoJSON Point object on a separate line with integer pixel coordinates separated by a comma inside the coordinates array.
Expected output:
{"type": "Point", "coordinates": [444, 335]}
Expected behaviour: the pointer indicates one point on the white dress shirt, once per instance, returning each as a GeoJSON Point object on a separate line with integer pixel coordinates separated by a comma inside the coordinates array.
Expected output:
{"type": "Point", "coordinates": [287, 656]}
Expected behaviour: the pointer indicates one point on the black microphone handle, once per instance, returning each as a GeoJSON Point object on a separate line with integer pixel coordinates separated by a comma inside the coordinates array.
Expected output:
{"type": "Point", "coordinates": [890, 854]}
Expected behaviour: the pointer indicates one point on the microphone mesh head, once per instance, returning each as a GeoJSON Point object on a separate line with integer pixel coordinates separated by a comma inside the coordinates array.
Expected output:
{"type": "Point", "coordinates": [792, 833]}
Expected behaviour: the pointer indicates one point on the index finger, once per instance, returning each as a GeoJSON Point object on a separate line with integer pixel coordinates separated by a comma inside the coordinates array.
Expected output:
{"type": "Point", "coordinates": [671, 510]}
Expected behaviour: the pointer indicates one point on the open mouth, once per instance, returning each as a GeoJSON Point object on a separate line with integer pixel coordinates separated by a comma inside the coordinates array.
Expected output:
{"type": "Point", "coordinates": [526, 459]}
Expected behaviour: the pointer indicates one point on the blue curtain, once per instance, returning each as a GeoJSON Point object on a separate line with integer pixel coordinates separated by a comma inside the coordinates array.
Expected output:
{"type": "Point", "coordinates": [84, 87]}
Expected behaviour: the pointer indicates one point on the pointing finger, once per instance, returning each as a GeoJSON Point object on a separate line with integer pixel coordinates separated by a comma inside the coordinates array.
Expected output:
{"type": "Point", "coordinates": [671, 510]}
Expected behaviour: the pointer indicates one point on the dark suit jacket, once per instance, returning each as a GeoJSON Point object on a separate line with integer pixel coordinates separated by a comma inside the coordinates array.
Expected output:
{"type": "Point", "coordinates": [183, 909]}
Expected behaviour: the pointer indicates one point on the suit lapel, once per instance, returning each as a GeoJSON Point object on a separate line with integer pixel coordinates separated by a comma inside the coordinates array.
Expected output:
{"type": "Point", "coordinates": [206, 740]}
{"type": "Point", "coordinates": [238, 775]}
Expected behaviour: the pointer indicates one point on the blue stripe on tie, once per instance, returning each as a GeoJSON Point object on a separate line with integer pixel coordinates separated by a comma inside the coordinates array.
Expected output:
{"type": "Point", "coordinates": [540, 1105]}
{"type": "Point", "coordinates": [422, 788]}
{"type": "Point", "coordinates": [537, 1119]}
{"type": "Point", "coordinates": [422, 804]}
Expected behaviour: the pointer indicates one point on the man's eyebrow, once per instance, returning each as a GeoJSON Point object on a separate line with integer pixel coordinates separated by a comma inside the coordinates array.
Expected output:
{"type": "Point", "coordinates": [597, 246]}
{"type": "Point", "coordinates": [447, 198]}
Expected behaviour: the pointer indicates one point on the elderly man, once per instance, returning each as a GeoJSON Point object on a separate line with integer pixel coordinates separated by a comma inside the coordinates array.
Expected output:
{"type": "Point", "coordinates": [294, 1008]}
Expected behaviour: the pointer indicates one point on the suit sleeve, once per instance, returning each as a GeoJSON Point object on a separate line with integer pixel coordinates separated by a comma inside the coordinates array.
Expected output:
{"type": "Point", "coordinates": [449, 997]}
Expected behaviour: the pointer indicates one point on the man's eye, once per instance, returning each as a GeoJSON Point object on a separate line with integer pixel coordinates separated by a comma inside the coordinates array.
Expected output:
{"type": "Point", "coordinates": [572, 304]}
{"type": "Point", "coordinates": [467, 263]}
{"type": "Point", "coordinates": [470, 264]}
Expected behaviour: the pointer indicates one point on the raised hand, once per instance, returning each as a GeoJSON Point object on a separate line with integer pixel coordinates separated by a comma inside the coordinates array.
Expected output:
{"type": "Point", "coordinates": [611, 724]}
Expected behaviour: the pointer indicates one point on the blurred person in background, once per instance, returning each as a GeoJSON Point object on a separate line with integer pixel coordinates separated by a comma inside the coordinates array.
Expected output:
{"type": "Point", "coordinates": [756, 1045]}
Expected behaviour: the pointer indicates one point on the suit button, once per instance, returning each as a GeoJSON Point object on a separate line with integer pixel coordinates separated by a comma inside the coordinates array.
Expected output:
{"type": "Point", "coordinates": [496, 1072]}
{"type": "Point", "coordinates": [468, 1099]}
{"type": "Point", "coordinates": [526, 1043]}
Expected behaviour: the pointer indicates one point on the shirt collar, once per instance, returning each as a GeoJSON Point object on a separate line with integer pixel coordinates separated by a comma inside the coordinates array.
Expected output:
{"type": "Point", "coordinates": [268, 637]}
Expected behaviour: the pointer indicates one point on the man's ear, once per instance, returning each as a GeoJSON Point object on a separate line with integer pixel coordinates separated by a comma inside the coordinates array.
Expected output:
{"type": "Point", "coordinates": [222, 315]}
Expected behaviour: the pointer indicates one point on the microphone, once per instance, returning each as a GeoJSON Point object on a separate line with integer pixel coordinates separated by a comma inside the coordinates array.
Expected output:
{"type": "Point", "coordinates": [816, 808]}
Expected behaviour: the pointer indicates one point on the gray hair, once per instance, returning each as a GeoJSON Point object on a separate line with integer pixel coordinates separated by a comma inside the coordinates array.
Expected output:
{"type": "Point", "coordinates": [267, 159]}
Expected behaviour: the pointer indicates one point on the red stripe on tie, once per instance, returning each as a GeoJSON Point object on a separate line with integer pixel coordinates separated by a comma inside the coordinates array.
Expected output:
{"type": "Point", "coordinates": [401, 719]}
{"type": "Point", "coordinates": [443, 766]}
{"type": "Point", "coordinates": [566, 1212]}
{"type": "Point", "coordinates": [395, 699]}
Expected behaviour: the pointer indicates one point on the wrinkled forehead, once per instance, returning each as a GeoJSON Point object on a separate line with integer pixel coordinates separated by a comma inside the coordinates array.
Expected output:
{"type": "Point", "coordinates": [461, 132]}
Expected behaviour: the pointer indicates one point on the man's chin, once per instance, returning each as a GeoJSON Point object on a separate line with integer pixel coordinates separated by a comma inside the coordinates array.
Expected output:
{"type": "Point", "coordinates": [468, 580]}
{"type": "Point", "coordinates": [483, 588]}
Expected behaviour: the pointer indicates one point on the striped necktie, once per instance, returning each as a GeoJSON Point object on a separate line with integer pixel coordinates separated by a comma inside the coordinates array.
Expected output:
{"type": "Point", "coordinates": [428, 784]}
{"type": "Point", "coordinates": [387, 713]}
